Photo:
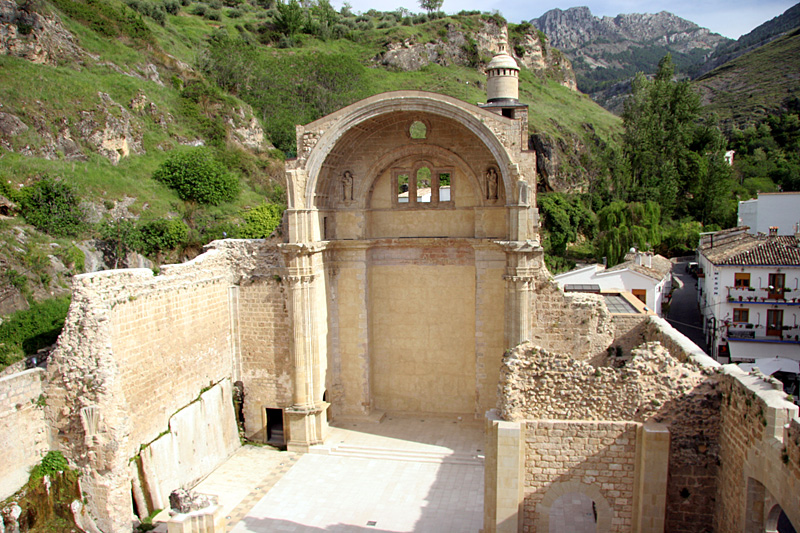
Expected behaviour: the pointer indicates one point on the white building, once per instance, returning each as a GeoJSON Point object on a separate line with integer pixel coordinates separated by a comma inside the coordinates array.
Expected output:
{"type": "Point", "coordinates": [776, 209]}
{"type": "Point", "coordinates": [750, 294]}
{"type": "Point", "coordinates": [646, 276]}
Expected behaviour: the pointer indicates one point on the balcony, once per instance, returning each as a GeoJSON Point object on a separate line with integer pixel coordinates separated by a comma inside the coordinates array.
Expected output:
{"type": "Point", "coordinates": [764, 295]}
{"type": "Point", "coordinates": [763, 333]}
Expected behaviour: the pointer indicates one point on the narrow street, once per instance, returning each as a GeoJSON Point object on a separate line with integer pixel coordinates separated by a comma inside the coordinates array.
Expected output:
{"type": "Point", "coordinates": [684, 313]}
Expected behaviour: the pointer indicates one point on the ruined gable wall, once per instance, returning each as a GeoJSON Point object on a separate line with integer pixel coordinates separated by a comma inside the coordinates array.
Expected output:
{"type": "Point", "coordinates": [24, 433]}
{"type": "Point", "coordinates": [136, 348]}
{"type": "Point", "coordinates": [759, 453]}
{"type": "Point", "coordinates": [575, 323]}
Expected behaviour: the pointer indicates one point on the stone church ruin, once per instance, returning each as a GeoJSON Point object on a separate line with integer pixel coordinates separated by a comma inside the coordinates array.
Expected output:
{"type": "Point", "coordinates": [409, 280]}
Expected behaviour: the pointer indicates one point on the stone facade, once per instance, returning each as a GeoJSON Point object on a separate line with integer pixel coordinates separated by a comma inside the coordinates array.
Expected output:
{"type": "Point", "coordinates": [24, 432]}
{"type": "Point", "coordinates": [759, 472]}
{"type": "Point", "coordinates": [603, 455]}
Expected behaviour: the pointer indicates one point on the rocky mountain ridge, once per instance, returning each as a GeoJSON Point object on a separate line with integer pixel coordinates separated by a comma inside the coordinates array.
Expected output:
{"type": "Point", "coordinates": [606, 50]}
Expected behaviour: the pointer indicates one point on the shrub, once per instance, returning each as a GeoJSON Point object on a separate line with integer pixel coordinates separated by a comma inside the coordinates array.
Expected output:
{"type": "Point", "coordinates": [162, 235]}
{"type": "Point", "coordinates": [200, 10]}
{"type": "Point", "coordinates": [234, 13]}
{"type": "Point", "coordinates": [51, 463]}
{"type": "Point", "coordinates": [53, 207]}
{"type": "Point", "coordinates": [197, 177]}
{"type": "Point", "coordinates": [261, 221]}
{"type": "Point", "coordinates": [25, 332]}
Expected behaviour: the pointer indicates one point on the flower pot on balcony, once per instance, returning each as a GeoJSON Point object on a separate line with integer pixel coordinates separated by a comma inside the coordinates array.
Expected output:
{"type": "Point", "coordinates": [740, 298]}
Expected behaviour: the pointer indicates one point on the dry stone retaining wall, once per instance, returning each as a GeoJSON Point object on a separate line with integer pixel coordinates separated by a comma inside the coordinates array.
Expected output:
{"type": "Point", "coordinates": [24, 433]}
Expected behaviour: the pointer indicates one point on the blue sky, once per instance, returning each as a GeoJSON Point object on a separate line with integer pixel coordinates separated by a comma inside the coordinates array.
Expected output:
{"type": "Point", "coordinates": [731, 18]}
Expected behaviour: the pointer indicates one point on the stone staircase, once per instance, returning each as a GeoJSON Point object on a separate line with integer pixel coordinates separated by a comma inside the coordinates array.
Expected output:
{"type": "Point", "coordinates": [409, 455]}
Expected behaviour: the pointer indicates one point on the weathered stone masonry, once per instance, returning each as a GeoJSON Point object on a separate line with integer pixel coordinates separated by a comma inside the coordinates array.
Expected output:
{"type": "Point", "coordinates": [24, 433]}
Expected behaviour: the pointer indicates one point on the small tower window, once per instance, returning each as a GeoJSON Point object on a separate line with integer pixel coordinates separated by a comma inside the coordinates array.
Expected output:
{"type": "Point", "coordinates": [418, 130]}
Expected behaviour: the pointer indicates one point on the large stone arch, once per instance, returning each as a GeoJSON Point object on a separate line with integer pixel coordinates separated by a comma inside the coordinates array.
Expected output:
{"type": "Point", "coordinates": [475, 119]}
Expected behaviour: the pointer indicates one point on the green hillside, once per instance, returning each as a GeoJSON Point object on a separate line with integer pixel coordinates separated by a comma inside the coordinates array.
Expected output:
{"type": "Point", "coordinates": [756, 84]}
{"type": "Point", "coordinates": [97, 95]}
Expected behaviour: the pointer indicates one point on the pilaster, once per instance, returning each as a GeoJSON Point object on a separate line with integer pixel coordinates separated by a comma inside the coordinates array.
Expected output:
{"type": "Point", "coordinates": [307, 417]}
{"type": "Point", "coordinates": [523, 262]}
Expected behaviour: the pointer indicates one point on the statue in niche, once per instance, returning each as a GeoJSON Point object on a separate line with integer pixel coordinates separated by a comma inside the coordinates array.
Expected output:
{"type": "Point", "coordinates": [491, 184]}
{"type": "Point", "coordinates": [347, 186]}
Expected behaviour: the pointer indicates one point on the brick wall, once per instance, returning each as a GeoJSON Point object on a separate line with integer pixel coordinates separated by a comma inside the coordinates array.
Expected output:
{"type": "Point", "coordinates": [24, 434]}
{"type": "Point", "coordinates": [601, 455]}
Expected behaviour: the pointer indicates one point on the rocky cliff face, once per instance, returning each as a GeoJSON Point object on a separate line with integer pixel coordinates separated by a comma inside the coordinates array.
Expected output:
{"type": "Point", "coordinates": [606, 50]}
{"type": "Point", "coordinates": [458, 47]}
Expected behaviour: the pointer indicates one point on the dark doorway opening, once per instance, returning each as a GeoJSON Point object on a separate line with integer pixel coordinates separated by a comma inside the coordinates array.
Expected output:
{"type": "Point", "coordinates": [275, 433]}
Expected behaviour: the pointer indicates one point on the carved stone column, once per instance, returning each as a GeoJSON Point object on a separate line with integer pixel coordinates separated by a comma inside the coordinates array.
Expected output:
{"type": "Point", "coordinates": [523, 260]}
{"type": "Point", "coordinates": [307, 418]}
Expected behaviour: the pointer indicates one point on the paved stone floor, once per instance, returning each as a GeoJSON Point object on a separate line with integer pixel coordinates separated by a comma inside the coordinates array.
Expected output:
{"type": "Point", "coordinates": [404, 474]}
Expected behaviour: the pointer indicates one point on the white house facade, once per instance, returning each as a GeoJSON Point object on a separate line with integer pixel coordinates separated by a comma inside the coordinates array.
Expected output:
{"type": "Point", "coordinates": [646, 276]}
{"type": "Point", "coordinates": [771, 210]}
{"type": "Point", "coordinates": [750, 294]}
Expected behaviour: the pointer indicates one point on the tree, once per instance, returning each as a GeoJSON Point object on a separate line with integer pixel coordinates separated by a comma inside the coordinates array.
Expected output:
{"type": "Point", "coordinates": [289, 19]}
{"type": "Point", "coordinates": [431, 6]}
{"type": "Point", "coordinates": [674, 157]}
{"type": "Point", "coordinates": [197, 177]}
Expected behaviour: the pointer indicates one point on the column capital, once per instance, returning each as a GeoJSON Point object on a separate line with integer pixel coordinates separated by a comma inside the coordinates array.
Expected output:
{"type": "Point", "coordinates": [528, 246]}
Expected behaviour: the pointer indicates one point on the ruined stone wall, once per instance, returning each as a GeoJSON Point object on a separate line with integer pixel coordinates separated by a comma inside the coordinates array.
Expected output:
{"type": "Point", "coordinates": [759, 453]}
{"type": "Point", "coordinates": [539, 384]}
{"type": "Point", "coordinates": [135, 349]}
{"type": "Point", "coordinates": [651, 387]}
{"type": "Point", "coordinates": [629, 332]}
{"type": "Point", "coordinates": [602, 456]}
{"type": "Point", "coordinates": [169, 344]}
{"type": "Point", "coordinates": [24, 433]}
{"type": "Point", "coordinates": [265, 337]}
{"type": "Point", "coordinates": [575, 323]}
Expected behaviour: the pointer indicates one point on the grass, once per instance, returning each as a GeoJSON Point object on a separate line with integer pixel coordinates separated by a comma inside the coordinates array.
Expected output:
{"type": "Point", "coordinates": [754, 84]}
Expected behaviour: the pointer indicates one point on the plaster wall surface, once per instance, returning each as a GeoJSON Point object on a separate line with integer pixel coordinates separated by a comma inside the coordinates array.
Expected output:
{"type": "Point", "coordinates": [24, 432]}
{"type": "Point", "coordinates": [771, 209]}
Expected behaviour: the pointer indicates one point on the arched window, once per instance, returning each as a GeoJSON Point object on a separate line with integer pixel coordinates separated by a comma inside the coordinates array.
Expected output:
{"type": "Point", "coordinates": [422, 185]}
